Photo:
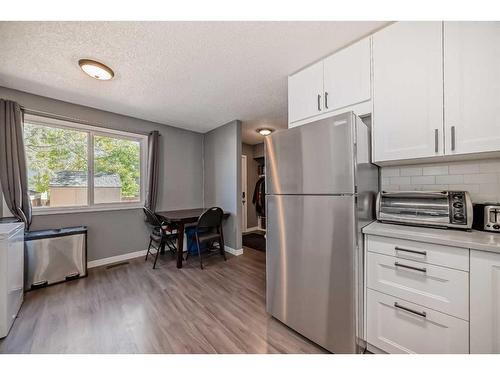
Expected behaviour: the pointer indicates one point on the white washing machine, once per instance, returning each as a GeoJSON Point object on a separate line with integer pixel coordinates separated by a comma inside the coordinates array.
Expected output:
{"type": "Point", "coordinates": [11, 273]}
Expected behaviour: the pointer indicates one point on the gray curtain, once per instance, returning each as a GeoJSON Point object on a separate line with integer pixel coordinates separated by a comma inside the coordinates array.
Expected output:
{"type": "Point", "coordinates": [13, 176]}
{"type": "Point", "coordinates": [153, 169]}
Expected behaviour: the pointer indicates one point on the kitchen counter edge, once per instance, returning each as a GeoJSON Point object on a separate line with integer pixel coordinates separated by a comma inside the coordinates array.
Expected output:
{"type": "Point", "coordinates": [474, 239]}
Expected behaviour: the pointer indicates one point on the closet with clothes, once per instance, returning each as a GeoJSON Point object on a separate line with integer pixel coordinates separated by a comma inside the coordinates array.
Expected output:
{"type": "Point", "coordinates": [254, 197]}
{"type": "Point", "coordinates": [259, 197]}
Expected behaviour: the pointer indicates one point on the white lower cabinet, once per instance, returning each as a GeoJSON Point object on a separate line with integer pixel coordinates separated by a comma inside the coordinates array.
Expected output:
{"type": "Point", "coordinates": [439, 288]}
{"type": "Point", "coordinates": [484, 302]}
{"type": "Point", "coordinates": [417, 296]}
{"type": "Point", "coordinates": [439, 255]}
{"type": "Point", "coordinates": [398, 326]}
{"type": "Point", "coordinates": [428, 298]}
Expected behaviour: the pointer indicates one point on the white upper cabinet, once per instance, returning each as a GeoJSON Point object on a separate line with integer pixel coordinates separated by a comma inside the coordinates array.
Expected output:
{"type": "Point", "coordinates": [433, 89]}
{"type": "Point", "coordinates": [347, 76]}
{"type": "Point", "coordinates": [305, 93]}
{"type": "Point", "coordinates": [484, 302]}
{"type": "Point", "coordinates": [408, 91]}
{"type": "Point", "coordinates": [341, 82]}
{"type": "Point", "coordinates": [472, 86]}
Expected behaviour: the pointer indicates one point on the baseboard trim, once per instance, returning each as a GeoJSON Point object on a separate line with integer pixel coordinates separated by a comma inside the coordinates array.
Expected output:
{"type": "Point", "coordinates": [251, 229]}
{"type": "Point", "coordinates": [138, 254]}
{"type": "Point", "coordinates": [373, 349]}
{"type": "Point", "coordinates": [230, 250]}
{"type": "Point", "coordinates": [115, 259]}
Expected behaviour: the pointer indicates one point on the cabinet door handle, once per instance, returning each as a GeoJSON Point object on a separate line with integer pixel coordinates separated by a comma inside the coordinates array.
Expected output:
{"type": "Point", "coordinates": [319, 102]}
{"type": "Point", "coordinates": [326, 99]}
{"type": "Point", "coordinates": [452, 138]}
{"type": "Point", "coordinates": [423, 314]}
{"type": "Point", "coordinates": [436, 140]}
{"type": "Point", "coordinates": [423, 269]}
{"type": "Point", "coordinates": [424, 253]}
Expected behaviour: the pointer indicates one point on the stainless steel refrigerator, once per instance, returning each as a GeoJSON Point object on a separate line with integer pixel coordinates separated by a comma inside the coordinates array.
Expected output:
{"type": "Point", "coordinates": [320, 190]}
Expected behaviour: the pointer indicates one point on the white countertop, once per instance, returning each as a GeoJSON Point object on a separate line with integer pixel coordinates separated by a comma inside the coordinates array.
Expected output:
{"type": "Point", "coordinates": [474, 239]}
{"type": "Point", "coordinates": [7, 229]}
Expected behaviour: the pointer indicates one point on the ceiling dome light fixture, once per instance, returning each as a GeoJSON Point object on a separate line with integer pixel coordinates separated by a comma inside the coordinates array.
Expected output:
{"type": "Point", "coordinates": [265, 131]}
{"type": "Point", "coordinates": [96, 70]}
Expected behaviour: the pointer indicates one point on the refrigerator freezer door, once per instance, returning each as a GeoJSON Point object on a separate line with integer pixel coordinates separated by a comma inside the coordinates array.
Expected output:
{"type": "Point", "coordinates": [316, 158]}
{"type": "Point", "coordinates": [310, 267]}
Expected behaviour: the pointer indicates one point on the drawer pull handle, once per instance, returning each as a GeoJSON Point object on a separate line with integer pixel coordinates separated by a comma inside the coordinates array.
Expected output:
{"type": "Point", "coordinates": [397, 264]}
{"type": "Point", "coordinates": [423, 314]}
{"type": "Point", "coordinates": [424, 253]}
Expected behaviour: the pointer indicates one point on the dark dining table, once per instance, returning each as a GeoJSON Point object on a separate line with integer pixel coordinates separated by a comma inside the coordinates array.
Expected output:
{"type": "Point", "coordinates": [180, 219]}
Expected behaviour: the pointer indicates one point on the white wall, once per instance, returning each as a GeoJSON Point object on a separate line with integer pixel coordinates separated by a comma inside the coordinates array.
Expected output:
{"type": "Point", "coordinates": [481, 178]}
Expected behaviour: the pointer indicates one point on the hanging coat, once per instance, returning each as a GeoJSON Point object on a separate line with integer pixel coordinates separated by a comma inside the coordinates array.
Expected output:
{"type": "Point", "coordinates": [259, 197]}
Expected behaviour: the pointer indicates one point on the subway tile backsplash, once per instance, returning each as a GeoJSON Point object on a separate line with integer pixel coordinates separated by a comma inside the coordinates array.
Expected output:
{"type": "Point", "coordinates": [481, 178]}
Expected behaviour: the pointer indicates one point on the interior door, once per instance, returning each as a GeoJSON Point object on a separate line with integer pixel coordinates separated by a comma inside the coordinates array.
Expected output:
{"type": "Point", "coordinates": [305, 93]}
{"type": "Point", "coordinates": [408, 91]}
{"type": "Point", "coordinates": [310, 267]}
{"type": "Point", "coordinates": [347, 76]}
{"type": "Point", "coordinates": [472, 86]}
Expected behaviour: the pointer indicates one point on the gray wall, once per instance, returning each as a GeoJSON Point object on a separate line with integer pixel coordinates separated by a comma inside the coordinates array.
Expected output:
{"type": "Point", "coordinates": [252, 176]}
{"type": "Point", "coordinates": [222, 176]}
{"type": "Point", "coordinates": [180, 183]}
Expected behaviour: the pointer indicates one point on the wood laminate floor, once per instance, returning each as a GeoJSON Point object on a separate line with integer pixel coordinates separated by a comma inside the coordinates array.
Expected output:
{"type": "Point", "coordinates": [135, 309]}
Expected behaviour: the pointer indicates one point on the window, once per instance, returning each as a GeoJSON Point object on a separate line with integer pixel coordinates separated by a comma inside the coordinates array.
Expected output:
{"type": "Point", "coordinates": [77, 166]}
{"type": "Point", "coordinates": [57, 166]}
{"type": "Point", "coordinates": [116, 170]}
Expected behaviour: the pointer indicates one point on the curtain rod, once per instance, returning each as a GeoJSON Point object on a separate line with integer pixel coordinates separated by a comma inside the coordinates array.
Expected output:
{"type": "Point", "coordinates": [55, 116]}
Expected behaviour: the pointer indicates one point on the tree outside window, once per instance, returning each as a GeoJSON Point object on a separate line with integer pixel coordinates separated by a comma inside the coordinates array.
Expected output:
{"type": "Point", "coordinates": [58, 165]}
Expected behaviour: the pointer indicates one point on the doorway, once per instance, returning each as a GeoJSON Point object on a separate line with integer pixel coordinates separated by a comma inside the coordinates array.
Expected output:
{"type": "Point", "coordinates": [252, 176]}
{"type": "Point", "coordinates": [244, 195]}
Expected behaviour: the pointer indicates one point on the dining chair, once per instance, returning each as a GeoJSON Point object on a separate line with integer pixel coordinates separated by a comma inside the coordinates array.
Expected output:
{"type": "Point", "coordinates": [209, 230]}
{"type": "Point", "coordinates": [161, 234]}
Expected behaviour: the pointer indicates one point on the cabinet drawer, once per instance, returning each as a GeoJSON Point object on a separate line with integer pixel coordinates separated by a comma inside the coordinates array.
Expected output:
{"type": "Point", "coordinates": [440, 255]}
{"type": "Point", "coordinates": [395, 330]}
{"type": "Point", "coordinates": [439, 288]}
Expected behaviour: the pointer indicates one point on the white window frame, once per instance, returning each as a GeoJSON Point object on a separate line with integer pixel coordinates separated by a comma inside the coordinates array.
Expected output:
{"type": "Point", "coordinates": [91, 131]}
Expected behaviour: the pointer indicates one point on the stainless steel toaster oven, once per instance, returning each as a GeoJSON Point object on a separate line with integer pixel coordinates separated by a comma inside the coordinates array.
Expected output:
{"type": "Point", "coordinates": [487, 217]}
{"type": "Point", "coordinates": [448, 209]}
